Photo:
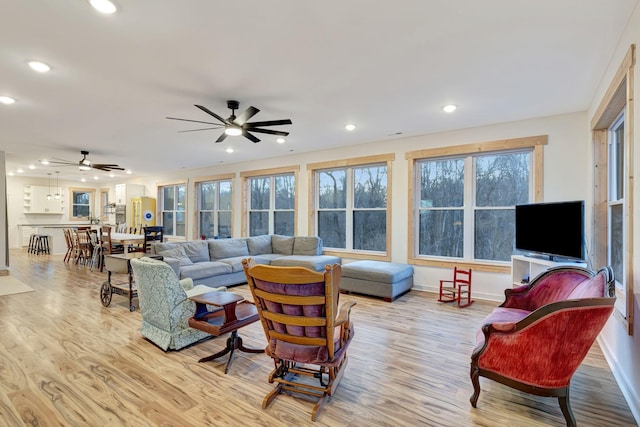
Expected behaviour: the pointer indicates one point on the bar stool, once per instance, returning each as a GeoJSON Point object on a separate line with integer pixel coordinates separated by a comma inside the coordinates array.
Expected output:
{"type": "Point", "coordinates": [33, 244]}
{"type": "Point", "coordinates": [43, 244]}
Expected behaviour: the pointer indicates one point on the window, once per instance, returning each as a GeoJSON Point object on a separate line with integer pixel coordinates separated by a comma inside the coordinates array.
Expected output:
{"type": "Point", "coordinates": [612, 132]}
{"type": "Point", "coordinates": [351, 209]}
{"type": "Point", "coordinates": [173, 206]}
{"type": "Point", "coordinates": [464, 200]}
{"type": "Point", "coordinates": [353, 199]}
{"type": "Point", "coordinates": [81, 203]}
{"type": "Point", "coordinates": [271, 205]}
{"type": "Point", "coordinates": [214, 208]}
{"type": "Point", "coordinates": [616, 199]}
{"type": "Point", "coordinates": [475, 221]}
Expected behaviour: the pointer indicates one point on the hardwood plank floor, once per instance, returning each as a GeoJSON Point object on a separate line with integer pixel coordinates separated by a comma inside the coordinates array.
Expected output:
{"type": "Point", "coordinates": [65, 360]}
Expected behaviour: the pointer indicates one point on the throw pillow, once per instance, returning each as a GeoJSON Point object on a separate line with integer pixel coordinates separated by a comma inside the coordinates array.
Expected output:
{"type": "Point", "coordinates": [177, 253]}
{"type": "Point", "coordinates": [307, 246]}
{"type": "Point", "coordinates": [259, 245]}
{"type": "Point", "coordinates": [196, 250]}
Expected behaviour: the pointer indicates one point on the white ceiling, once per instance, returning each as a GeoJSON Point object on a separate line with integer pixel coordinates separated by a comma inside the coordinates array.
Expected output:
{"type": "Point", "coordinates": [386, 66]}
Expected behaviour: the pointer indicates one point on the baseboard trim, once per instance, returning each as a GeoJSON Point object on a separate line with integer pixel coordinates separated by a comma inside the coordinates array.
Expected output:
{"type": "Point", "coordinates": [479, 296]}
{"type": "Point", "coordinates": [629, 393]}
{"type": "Point", "coordinates": [4, 271]}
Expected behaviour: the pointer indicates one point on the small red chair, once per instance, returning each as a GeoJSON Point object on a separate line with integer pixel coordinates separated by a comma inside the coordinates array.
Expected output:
{"type": "Point", "coordinates": [459, 289]}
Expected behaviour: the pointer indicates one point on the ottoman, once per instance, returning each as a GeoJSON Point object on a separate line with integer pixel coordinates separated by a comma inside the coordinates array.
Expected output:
{"type": "Point", "coordinates": [376, 278]}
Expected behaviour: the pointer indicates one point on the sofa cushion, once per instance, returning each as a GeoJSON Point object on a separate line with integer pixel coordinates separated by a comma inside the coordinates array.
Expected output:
{"type": "Point", "coordinates": [282, 244]}
{"type": "Point", "coordinates": [196, 250]}
{"type": "Point", "coordinates": [311, 245]}
{"type": "Point", "coordinates": [177, 253]}
{"type": "Point", "coordinates": [259, 245]}
{"type": "Point", "coordinates": [156, 248]}
{"type": "Point", "coordinates": [205, 269]}
{"type": "Point", "coordinates": [227, 248]}
{"type": "Point", "coordinates": [234, 262]}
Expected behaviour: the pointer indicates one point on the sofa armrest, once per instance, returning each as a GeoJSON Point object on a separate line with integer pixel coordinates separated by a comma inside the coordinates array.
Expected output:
{"type": "Point", "coordinates": [187, 283]}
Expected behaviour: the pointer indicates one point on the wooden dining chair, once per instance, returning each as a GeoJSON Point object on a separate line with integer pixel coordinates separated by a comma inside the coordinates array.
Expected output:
{"type": "Point", "coordinates": [107, 245]}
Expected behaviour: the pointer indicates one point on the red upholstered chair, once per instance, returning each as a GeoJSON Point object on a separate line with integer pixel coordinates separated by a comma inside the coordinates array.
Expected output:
{"type": "Point", "coordinates": [458, 289]}
{"type": "Point", "coordinates": [307, 331]}
{"type": "Point", "coordinates": [537, 338]}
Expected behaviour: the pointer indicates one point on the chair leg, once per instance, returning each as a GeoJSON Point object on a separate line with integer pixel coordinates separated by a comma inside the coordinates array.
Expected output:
{"type": "Point", "coordinates": [475, 380]}
{"type": "Point", "coordinates": [565, 407]}
{"type": "Point", "coordinates": [272, 395]}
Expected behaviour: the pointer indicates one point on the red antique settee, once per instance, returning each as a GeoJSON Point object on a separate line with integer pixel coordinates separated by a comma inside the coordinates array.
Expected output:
{"type": "Point", "coordinates": [537, 338]}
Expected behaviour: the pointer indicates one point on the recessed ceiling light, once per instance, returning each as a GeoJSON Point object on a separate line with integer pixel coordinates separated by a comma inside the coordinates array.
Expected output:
{"type": "Point", "coordinates": [111, 175]}
{"type": "Point", "coordinates": [280, 140]}
{"type": "Point", "coordinates": [32, 167]}
{"type": "Point", "coordinates": [229, 150]}
{"type": "Point", "coordinates": [103, 6]}
{"type": "Point", "coordinates": [95, 177]}
{"type": "Point", "coordinates": [449, 108]}
{"type": "Point", "coordinates": [38, 66]}
{"type": "Point", "coordinates": [44, 161]}
{"type": "Point", "coordinates": [7, 100]}
{"type": "Point", "coordinates": [84, 180]}
{"type": "Point", "coordinates": [128, 172]}
{"type": "Point", "coordinates": [20, 170]}
{"type": "Point", "coordinates": [350, 127]}
{"type": "Point", "coordinates": [10, 174]}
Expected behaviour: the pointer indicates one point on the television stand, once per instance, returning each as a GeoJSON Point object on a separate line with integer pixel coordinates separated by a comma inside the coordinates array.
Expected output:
{"type": "Point", "coordinates": [525, 268]}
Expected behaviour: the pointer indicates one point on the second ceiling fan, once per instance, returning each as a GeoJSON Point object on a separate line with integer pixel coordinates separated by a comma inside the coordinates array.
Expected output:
{"type": "Point", "coordinates": [238, 125]}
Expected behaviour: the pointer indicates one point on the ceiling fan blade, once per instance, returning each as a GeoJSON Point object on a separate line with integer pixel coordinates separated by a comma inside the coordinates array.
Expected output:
{"type": "Point", "coordinates": [246, 115]}
{"type": "Point", "coordinates": [250, 137]}
{"type": "Point", "coordinates": [221, 137]}
{"type": "Point", "coordinates": [195, 121]}
{"type": "Point", "coordinates": [211, 113]}
{"type": "Point", "coordinates": [268, 123]}
{"type": "Point", "coordinates": [195, 130]}
{"type": "Point", "coordinates": [270, 132]}
{"type": "Point", "coordinates": [106, 167]}
{"type": "Point", "coordinates": [62, 162]}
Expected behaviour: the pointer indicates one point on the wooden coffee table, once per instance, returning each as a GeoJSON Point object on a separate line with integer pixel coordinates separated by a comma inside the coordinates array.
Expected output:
{"type": "Point", "coordinates": [233, 314]}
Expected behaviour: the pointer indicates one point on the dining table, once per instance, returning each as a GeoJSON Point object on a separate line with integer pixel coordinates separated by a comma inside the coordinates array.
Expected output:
{"type": "Point", "coordinates": [127, 239]}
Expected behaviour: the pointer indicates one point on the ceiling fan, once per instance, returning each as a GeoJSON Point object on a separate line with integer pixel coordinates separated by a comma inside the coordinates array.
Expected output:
{"type": "Point", "coordinates": [234, 126]}
{"type": "Point", "coordinates": [85, 164]}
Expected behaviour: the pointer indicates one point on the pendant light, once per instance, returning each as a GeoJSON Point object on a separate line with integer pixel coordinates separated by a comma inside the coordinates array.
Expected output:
{"type": "Point", "coordinates": [57, 195]}
{"type": "Point", "coordinates": [49, 194]}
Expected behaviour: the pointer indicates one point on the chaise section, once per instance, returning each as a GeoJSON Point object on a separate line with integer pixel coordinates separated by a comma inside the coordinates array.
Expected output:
{"type": "Point", "coordinates": [387, 280]}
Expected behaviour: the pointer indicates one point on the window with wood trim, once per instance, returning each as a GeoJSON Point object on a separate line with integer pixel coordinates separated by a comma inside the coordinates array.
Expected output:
{"type": "Point", "coordinates": [214, 208]}
{"type": "Point", "coordinates": [351, 209]}
{"type": "Point", "coordinates": [463, 200]}
{"type": "Point", "coordinates": [612, 234]}
{"type": "Point", "coordinates": [173, 207]}
{"type": "Point", "coordinates": [82, 203]}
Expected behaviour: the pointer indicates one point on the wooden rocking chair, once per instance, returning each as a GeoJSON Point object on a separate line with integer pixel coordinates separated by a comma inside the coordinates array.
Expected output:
{"type": "Point", "coordinates": [458, 289]}
{"type": "Point", "coordinates": [307, 332]}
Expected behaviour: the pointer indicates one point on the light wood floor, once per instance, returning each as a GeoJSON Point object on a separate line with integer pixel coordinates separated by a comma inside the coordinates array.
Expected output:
{"type": "Point", "coordinates": [67, 361]}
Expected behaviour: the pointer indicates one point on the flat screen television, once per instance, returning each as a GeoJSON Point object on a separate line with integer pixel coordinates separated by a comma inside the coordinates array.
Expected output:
{"type": "Point", "coordinates": [552, 229]}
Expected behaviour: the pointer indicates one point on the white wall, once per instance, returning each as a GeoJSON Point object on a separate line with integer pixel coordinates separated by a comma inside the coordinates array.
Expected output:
{"type": "Point", "coordinates": [567, 146]}
{"type": "Point", "coordinates": [623, 351]}
{"type": "Point", "coordinates": [4, 260]}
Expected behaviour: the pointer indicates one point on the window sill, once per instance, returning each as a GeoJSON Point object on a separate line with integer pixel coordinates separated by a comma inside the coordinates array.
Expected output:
{"type": "Point", "coordinates": [490, 267]}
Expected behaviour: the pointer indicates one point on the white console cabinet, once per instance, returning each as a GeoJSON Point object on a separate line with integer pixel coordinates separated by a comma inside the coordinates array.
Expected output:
{"type": "Point", "coordinates": [524, 269]}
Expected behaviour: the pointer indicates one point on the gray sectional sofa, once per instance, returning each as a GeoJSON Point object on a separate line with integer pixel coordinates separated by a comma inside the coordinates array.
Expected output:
{"type": "Point", "coordinates": [218, 262]}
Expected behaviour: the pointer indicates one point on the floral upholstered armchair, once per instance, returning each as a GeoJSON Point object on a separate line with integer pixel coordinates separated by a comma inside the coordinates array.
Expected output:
{"type": "Point", "coordinates": [539, 336]}
{"type": "Point", "coordinates": [165, 305]}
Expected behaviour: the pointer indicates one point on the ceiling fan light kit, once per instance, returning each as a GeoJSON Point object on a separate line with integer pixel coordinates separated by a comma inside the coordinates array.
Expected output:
{"type": "Point", "coordinates": [235, 126]}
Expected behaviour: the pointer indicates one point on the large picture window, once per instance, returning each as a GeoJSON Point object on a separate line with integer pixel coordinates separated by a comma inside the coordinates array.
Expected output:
{"type": "Point", "coordinates": [476, 221]}
{"type": "Point", "coordinates": [464, 200]}
{"type": "Point", "coordinates": [214, 208]}
{"type": "Point", "coordinates": [352, 212]}
{"type": "Point", "coordinates": [270, 205]}
{"type": "Point", "coordinates": [173, 207]}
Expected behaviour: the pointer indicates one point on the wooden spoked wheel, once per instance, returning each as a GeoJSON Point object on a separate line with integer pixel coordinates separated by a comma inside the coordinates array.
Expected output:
{"type": "Point", "coordinates": [105, 294]}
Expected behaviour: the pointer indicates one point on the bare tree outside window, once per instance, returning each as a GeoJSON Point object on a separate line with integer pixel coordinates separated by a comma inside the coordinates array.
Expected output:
{"type": "Point", "coordinates": [272, 205]}
{"type": "Point", "coordinates": [215, 209]}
